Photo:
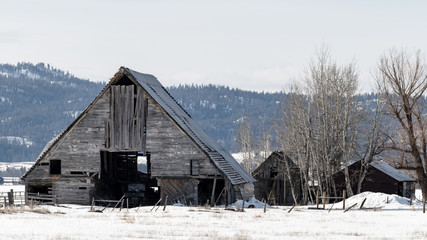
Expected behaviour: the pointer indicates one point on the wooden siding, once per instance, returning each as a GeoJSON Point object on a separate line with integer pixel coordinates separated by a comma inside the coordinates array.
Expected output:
{"type": "Point", "coordinates": [171, 149]}
{"type": "Point", "coordinates": [127, 119]}
{"type": "Point", "coordinates": [79, 149]}
{"type": "Point", "coordinates": [73, 190]}
{"type": "Point", "coordinates": [183, 190]}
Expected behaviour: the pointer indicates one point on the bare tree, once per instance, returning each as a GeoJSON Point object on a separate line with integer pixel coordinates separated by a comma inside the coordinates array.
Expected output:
{"type": "Point", "coordinates": [374, 143]}
{"type": "Point", "coordinates": [294, 138]}
{"type": "Point", "coordinates": [321, 122]}
{"type": "Point", "coordinates": [402, 82]}
{"type": "Point", "coordinates": [245, 140]}
{"type": "Point", "coordinates": [332, 89]}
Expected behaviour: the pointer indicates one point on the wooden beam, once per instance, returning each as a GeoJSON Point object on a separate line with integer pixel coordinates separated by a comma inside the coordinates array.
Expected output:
{"type": "Point", "coordinates": [213, 192]}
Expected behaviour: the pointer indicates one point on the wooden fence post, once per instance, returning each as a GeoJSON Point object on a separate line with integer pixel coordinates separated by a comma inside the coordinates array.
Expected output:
{"type": "Point", "coordinates": [92, 205]}
{"type": "Point", "coordinates": [121, 204]}
{"type": "Point", "coordinates": [10, 196]}
{"type": "Point", "coordinates": [424, 205]}
{"type": "Point", "coordinates": [317, 199]}
{"type": "Point", "coordinates": [213, 193]}
{"type": "Point", "coordinates": [243, 205]}
{"type": "Point", "coordinates": [265, 206]}
{"type": "Point", "coordinates": [324, 200]}
{"type": "Point", "coordinates": [166, 202]}
{"type": "Point", "coordinates": [343, 199]}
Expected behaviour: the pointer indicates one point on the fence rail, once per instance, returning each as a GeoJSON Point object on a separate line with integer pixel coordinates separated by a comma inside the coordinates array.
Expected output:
{"type": "Point", "coordinates": [44, 198]}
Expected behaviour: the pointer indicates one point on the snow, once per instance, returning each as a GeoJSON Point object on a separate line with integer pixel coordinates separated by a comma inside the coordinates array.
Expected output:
{"type": "Point", "coordinates": [380, 201]}
{"type": "Point", "coordinates": [16, 188]}
{"type": "Point", "coordinates": [400, 221]}
{"type": "Point", "coordinates": [238, 156]}
{"type": "Point", "coordinates": [17, 140]}
{"type": "Point", "coordinates": [16, 165]}
{"type": "Point", "coordinates": [251, 203]}
{"type": "Point", "coordinates": [73, 114]}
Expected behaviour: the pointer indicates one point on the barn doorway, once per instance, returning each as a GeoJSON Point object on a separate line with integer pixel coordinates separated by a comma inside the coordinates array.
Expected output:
{"type": "Point", "coordinates": [127, 173]}
{"type": "Point", "coordinates": [205, 191]}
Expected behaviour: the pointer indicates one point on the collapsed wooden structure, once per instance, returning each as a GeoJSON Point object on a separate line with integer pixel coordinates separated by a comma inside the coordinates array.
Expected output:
{"type": "Point", "coordinates": [276, 178]}
{"type": "Point", "coordinates": [380, 177]}
{"type": "Point", "coordinates": [133, 120]}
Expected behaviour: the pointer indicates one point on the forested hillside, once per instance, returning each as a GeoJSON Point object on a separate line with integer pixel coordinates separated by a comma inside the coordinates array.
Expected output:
{"type": "Point", "coordinates": [220, 109]}
{"type": "Point", "coordinates": [38, 101]}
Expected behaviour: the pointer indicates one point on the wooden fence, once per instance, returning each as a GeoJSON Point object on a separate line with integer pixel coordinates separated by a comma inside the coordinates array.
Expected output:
{"type": "Point", "coordinates": [41, 198]}
{"type": "Point", "coordinates": [12, 198]}
{"type": "Point", "coordinates": [324, 198]}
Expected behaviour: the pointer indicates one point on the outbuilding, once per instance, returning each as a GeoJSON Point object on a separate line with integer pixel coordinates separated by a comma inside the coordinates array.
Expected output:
{"type": "Point", "coordinates": [276, 178]}
{"type": "Point", "coordinates": [380, 177]}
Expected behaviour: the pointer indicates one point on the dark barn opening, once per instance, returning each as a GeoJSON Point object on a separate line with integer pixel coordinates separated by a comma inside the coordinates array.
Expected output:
{"type": "Point", "coordinates": [120, 177]}
{"type": "Point", "coordinates": [40, 188]}
{"type": "Point", "coordinates": [55, 166]}
{"type": "Point", "coordinates": [205, 187]}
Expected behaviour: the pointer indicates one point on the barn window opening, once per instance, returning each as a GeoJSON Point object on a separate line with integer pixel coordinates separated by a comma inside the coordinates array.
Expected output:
{"type": "Point", "coordinates": [55, 166]}
{"type": "Point", "coordinates": [142, 164]}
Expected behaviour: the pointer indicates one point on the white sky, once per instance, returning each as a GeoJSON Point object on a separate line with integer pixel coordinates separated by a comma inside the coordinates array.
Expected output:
{"type": "Point", "coordinates": [253, 45]}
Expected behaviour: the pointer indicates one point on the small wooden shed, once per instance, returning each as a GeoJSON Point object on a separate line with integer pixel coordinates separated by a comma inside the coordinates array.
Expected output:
{"type": "Point", "coordinates": [135, 120]}
{"type": "Point", "coordinates": [273, 180]}
{"type": "Point", "coordinates": [380, 177]}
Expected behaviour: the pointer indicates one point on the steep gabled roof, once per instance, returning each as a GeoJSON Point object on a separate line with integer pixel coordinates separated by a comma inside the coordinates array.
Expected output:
{"type": "Point", "coordinates": [392, 172]}
{"type": "Point", "coordinates": [384, 168]}
{"type": "Point", "coordinates": [219, 157]}
{"type": "Point", "coordinates": [276, 155]}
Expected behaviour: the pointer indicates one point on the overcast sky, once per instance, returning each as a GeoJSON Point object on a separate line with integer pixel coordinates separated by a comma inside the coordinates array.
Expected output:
{"type": "Point", "coordinates": [253, 45]}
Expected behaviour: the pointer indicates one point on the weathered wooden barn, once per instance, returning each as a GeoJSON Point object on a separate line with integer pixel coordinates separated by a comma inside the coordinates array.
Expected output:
{"type": "Point", "coordinates": [135, 120]}
{"type": "Point", "coordinates": [380, 177]}
{"type": "Point", "coordinates": [273, 180]}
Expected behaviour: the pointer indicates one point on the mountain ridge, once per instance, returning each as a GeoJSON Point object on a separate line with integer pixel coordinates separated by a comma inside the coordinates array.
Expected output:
{"type": "Point", "coordinates": [38, 101]}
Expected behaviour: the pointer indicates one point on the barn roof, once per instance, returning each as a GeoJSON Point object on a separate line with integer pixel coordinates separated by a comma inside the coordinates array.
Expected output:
{"type": "Point", "coordinates": [274, 156]}
{"type": "Point", "coordinates": [392, 172]}
{"type": "Point", "coordinates": [218, 155]}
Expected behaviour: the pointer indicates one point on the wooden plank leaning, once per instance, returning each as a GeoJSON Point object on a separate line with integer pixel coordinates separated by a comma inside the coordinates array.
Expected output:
{"type": "Point", "coordinates": [118, 202]}
{"type": "Point", "coordinates": [156, 204]}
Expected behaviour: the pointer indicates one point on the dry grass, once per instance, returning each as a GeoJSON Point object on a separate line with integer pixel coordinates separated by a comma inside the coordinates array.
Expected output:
{"type": "Point", "coordinates": [40, 210]}
{"type": "Point", "coordinates": [61, 237]}
{"type": "Point", "coordinates": [128, 218]}
{"type": "Point", "coordinates": [12, 209]}
{"type": "Point", "coordinates": [22, 209]}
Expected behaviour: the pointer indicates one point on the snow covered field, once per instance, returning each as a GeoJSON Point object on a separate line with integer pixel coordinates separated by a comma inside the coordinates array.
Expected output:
{"type": "Point", "coordinates": [393, 220]}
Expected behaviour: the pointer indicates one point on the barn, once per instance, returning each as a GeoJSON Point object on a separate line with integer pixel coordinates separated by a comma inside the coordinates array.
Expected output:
{"type": "Point", "coordinates": [380, 177]}
{"type": "Point", "coordinates": [273, 180]}
{"type": "Point", "coordinates": [135, 140]}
